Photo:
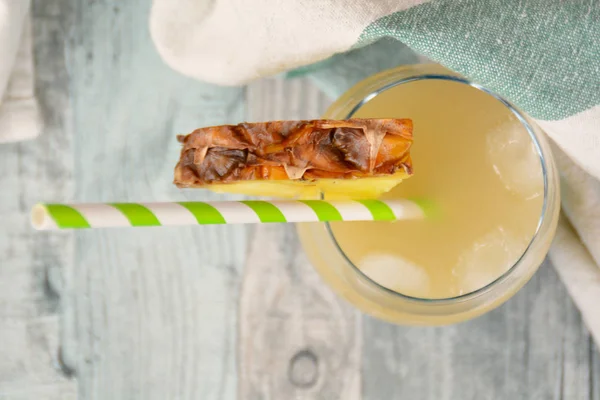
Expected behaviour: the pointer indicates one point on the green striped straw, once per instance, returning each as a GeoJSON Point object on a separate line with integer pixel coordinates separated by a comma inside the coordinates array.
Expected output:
{"type": "Point", "coordinates": [106, 215]}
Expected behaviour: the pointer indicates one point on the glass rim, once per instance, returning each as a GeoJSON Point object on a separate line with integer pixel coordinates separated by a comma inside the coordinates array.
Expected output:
{"type": "Point", "coordinates": [543, 215]}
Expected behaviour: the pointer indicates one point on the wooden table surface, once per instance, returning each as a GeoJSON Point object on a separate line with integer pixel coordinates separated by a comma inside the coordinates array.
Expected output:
{"type": "Point", "coordinates": [213, 312]}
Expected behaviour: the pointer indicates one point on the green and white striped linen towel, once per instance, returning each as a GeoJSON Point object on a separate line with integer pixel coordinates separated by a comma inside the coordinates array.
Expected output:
{"type": "Point", "coordinates": [543, 55]}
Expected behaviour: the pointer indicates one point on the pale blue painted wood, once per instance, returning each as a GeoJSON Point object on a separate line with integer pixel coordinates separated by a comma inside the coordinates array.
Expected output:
{"type": "Point", "coordinates": [298, 339]}
{"type": "Point", "coordinates": [155, 308]}
{"type": "Point", "coordinates": [31, 264]}
{"type": "Point", "coordinates": [153, 313]}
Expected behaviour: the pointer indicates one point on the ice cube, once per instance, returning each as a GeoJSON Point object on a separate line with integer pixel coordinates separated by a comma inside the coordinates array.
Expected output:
{"type": "Point", "coordinates": [396, 273]}
{"type": "Point", "coordinates": [515, 160]}
{"type": "Point", "coordinates": [487, 259]}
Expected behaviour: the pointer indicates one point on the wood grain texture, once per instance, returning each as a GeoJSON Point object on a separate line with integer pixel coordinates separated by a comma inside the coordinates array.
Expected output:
{"type": "Point", "coordinates": [158, 313]}
{"type": "Point", "coordinates": [298, 340]}
{"type": "Point", "coordinates": [31, 264]}
{"type": "Point", "coordinates": [594, 371]}
{"type": "Point", "coordinates": [154, 310]}
{"type": "Point", "coordinates": [533, 347]}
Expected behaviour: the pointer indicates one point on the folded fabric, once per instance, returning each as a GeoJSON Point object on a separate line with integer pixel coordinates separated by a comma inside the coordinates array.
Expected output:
{"type": "Point", "coordinates": [19, 113]}
{"type": "Point", "coordinates": [542, 55]}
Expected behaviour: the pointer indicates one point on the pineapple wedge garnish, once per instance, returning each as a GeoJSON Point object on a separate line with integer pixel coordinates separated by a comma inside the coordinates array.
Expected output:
{"type": "Point", "coordinates": [355, 158]}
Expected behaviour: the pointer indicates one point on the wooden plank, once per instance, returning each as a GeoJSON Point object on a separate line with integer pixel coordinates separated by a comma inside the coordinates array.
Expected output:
{"type": "Point", "coordinates": [533, 347]}
{"type": "Point", "coordinates": [594, 383]}
{"type": "Point", "coordinates": [31, 264]}
{"type": "Point", "coordinates": [297, 338]}
{"type": "Point", "coordinates": [154, 309]}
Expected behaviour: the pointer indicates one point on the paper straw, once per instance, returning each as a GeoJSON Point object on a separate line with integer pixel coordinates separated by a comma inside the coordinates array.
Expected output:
{"type": "Point", "coordinates": [107, 215]}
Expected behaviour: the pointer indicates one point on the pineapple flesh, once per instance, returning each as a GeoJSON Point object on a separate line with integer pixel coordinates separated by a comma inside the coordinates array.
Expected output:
{"type": "Point", "coordinates": [356, 158]}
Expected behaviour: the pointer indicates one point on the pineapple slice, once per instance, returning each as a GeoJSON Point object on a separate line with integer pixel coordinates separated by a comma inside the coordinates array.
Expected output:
{"type": "Point", "coordinates": [356, 158]}
{"type": "Point", "coordinates": [334, 189]}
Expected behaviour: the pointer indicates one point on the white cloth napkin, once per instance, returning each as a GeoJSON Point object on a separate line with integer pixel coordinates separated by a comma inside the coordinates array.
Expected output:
{"type": "Point", "coordinates": [538, 54]}
{"type": "Point", "coordinates": [19, 112]}
{"type": "Point", "coordinates": [575, 253]}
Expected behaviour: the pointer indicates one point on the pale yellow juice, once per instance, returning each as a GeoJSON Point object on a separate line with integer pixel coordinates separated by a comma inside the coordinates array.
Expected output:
{"type": "Point", "coordinates": [474, 157]}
